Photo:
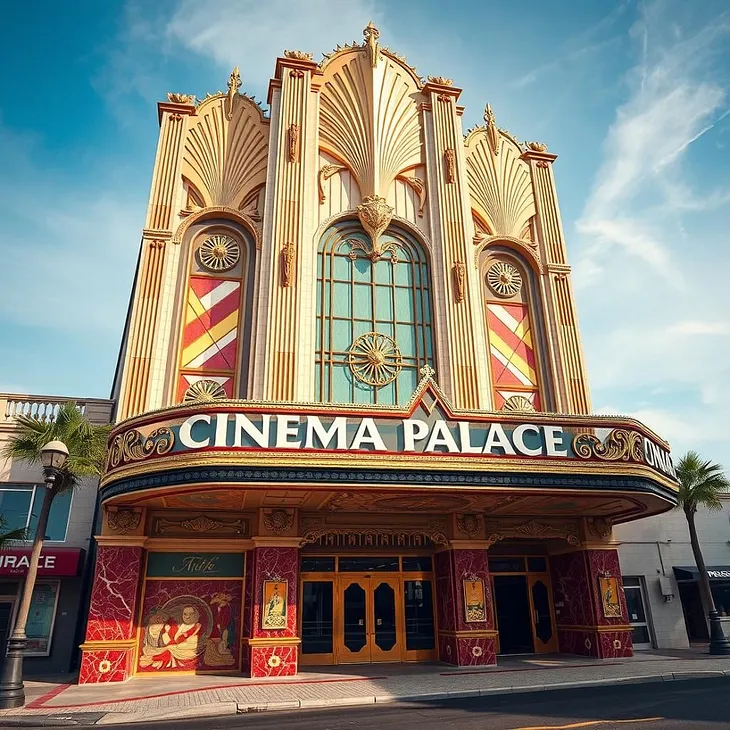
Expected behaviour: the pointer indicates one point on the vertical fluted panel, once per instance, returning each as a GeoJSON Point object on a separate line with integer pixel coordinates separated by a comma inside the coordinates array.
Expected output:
{"type": "Point", "coordinates": [288, 212]}
{"type": "Point", "coordinates": [447, 137]}
{"type": "Point", "coordinates": [552, 230]}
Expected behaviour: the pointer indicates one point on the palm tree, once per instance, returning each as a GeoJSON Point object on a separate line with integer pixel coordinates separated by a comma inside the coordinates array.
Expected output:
{"type": "Point", "coordinates": [86, 444]}
{"type": "Point", "coordinates": [9, 538]}
{"type": "Point", "coordinates": [701, 484]}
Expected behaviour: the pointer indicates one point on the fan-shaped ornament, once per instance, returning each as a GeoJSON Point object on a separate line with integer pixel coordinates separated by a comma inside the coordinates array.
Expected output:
{"type": "Point", "coordinates": [518, 404]}
{"type": "Point", "coordinates": [504, 279]}
{"type": "Point", "coordinates": [374, 359]}
{"type": "Point", "coordinates": [204, 391]}
{"type": "Point", "coordinates": [219, 253]}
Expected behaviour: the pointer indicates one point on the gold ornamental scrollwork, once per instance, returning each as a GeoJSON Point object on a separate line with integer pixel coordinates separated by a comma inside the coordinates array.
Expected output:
{"type": "Point", "coordinates": [278, 521]}
{"type": "Point", "coordinates": [375, 215]}
{"type": "Point", "coordinates": [533, 529]}
{"type": "Point", "coordinates": [434, 532]}
{"type": "Point", "coordinates": [133, 446]}
{"type": "Point", "coordinates": [459, 274]}
{"type": "Point", "coordinates": [325, 173]}
{"type": "Point", "coordinates": [620, 445]}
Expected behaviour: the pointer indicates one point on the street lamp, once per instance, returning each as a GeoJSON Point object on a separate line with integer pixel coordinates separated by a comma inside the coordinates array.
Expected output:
{"type": "Point", "coordinates": [54, 456]}
{"type": "Point", "coordinates": [719, 643]}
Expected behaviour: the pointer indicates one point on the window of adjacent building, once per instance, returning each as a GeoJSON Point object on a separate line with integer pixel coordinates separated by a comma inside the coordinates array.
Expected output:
{"type": "Point", "coordinates": [374, 327]}
{"type": "Point", "coordinates": [20, 507]}
{"type": "Point", "coordinates": [41, 618]}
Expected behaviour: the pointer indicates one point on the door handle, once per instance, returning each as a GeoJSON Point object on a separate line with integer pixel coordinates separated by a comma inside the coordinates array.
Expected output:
{"type": "Point", "coordinates": [379, 622]}
{"type": "Point", "coordinates": [536, 617]}
{"type": "Point", "coordinates": [361, 622]}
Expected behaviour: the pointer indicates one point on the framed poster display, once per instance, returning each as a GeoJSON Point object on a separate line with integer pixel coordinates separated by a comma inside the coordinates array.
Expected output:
{"type": "Point", "coordinates": [274, 608]}
{"type": "Point", "coordinates": [474, 601]}
{"type": "Point", "coordinates": [42, 618]}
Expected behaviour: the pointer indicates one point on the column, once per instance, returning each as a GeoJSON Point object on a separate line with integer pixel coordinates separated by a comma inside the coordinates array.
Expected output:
{"type": "Point", "coordinates": [571, 385]}
{"type": "Point", "coordinates": [286, 241]}
{"type": "Point", "coordinates": [466, 634]}
{"type": "Point", "coordinates": [134, 394]}
{"type": "Point", "coordinates": [111, 629]}
{"type": "Point", "coordinates": [455, 278]}
{"type": "Point", "coordinates": [270, 644]}
{"type": "Point", "coordinates": [590, 606]}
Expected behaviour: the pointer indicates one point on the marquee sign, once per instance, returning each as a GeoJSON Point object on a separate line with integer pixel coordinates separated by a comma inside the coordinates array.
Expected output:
{"type": "Point", "coordinates": [427, 436]}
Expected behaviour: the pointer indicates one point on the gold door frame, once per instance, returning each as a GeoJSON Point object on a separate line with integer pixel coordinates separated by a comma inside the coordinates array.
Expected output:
{"type": "Point", "coordinates": [531, 576]}
{"type": "Point", "coordinates": [397, 579]}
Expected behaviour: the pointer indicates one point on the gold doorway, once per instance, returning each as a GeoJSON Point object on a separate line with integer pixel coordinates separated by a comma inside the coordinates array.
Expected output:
{"type": "Point", "coordinates": [357, 609]}
{"type": "Point", "coordinates": [369, 627]}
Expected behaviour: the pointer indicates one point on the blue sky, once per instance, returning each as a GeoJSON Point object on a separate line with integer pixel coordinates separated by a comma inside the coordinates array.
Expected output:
{"type": "Point", "coordinates": [634, 97]}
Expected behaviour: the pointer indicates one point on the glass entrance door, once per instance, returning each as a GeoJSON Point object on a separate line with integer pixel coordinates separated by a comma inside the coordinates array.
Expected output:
{"type": "Point", "coordinates": [543, 627]}
{"type": "Point", "coordinates": [370, 627]}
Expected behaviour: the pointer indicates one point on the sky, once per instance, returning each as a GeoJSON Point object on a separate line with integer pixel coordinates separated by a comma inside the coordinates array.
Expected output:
{"type": "Point", "coordinates": [634, 98]}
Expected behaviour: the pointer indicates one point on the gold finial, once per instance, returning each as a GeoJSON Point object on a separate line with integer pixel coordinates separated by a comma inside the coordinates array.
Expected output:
{"type": "Point", "coordinates": [371, 35]}
{"type": "Point", "coordinates": [299, 55]}
{"type": "Point", "coordinates": [492, 131]}
{"type": "Point", "coordinates": [536, 146]}
{"type": "Point", "coordinates": [180, 98]}
{"type": "Point", "coordinates": [234, 84]}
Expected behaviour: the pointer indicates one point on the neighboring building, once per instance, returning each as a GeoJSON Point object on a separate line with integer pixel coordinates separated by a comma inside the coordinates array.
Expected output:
{"type": "Point", "coordinates": [354, 418]}
{"type": "Point", "coordinates": [661, 576]}
{"type": "Point", "coordinates": [57, 599]}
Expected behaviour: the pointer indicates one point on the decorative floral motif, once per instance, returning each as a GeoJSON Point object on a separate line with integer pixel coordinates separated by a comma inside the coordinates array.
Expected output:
{"type": "Point", "coordinates": [278, 521]}
{"type": "Point", "coordinates": [274, 661]}
{"type": "Point", "coordinates": [441, 80]}
{"type": "Point", "coordinates": [123, 520]}
{"type": "Point", "coordinates": [174, 98]}
{"type": "Point", "coordinates": [374, 359]}
{"type": "Point", "coordinates": [299, 55]}
{"type": "Point", "coordinates": [288, 254]}
{"type": "Point", "coordinates": [504, 279]}
{"type": "Point", "coordinates": [468, 524]}
{"type": "Point", "coordinates": [476, 651]}
{"type": "Point", "coordinates": [219, 253]}
{"type": "Point", "coordinates": [104, 666]}
{"type": "Point", "coordinates": [204, 391]}
{"type": "Point", "coordinates": [325, 173]}
{"type": "Point", "coordinates": [621, 445]}
{"type": "Point", "coordinates": [459, 271]}
{"type": "Point", "coordinates": [375, 215]}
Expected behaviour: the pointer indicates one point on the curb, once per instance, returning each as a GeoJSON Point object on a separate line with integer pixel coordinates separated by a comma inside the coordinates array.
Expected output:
{"type": "Point", "coordinates": [493, 692]}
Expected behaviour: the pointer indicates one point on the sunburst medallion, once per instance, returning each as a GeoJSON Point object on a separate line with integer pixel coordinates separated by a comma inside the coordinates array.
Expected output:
{"type": "Point", "coordinates": [204, 391]}
{"type": "Point", "coordinates": [374, 359]}
{"type": "Point", "coordinates": [219, 253]}
{"type": "Point", "coordinates": [504, 279]}
{"type": "Point", "coordinates": [518, 404]}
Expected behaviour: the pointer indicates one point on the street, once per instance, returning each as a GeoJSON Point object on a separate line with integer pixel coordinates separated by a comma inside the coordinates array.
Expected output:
{"type": "Point", "coordinates": [688, 705]}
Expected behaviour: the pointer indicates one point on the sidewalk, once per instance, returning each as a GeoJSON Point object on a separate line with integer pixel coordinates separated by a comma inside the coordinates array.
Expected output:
{"type": "Point", "coordinates": [149, 698]}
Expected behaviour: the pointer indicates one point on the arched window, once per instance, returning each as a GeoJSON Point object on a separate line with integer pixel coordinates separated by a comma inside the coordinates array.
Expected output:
{"type": "Point", "coordinates": [215, 332]}
{"type": "Point", "coordinates": [373, 317]}
{"type": "Point", "coordinates": [513, 349]}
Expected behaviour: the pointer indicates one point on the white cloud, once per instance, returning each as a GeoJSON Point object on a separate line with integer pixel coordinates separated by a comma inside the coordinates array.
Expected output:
{"type": "Point", "coordinates": [652, 288]}
{"type": "Point", "coordinates": [251, 34]}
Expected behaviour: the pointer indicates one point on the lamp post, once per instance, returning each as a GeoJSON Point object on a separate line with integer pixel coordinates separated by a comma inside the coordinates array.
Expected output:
{"type": "Point", "coordinates": [719, 643]}
{"type": "Point", "coordinates": [54, 456]}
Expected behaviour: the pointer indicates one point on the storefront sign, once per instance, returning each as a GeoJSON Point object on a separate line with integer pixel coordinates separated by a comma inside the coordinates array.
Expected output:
{"type": "Point", "coordinates": [718, 573]}
{"type": "Point", "coordinates": [195, 565]}
{"type": "Point", "coordinates": [53, 561]}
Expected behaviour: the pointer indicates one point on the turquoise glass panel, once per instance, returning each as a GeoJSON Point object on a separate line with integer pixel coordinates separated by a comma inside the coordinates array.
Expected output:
{"type": "Point", "coordinates": [362, 269]}
{"type": "Point", "coordinates": [360, 327]}
{"type": "Point", "coordinates": [326, 266]}
{"type": "Point", "coordinates": [384, 302]}
{"type": "Point", "coordinates": [385, 328]}
{"type": "Point", "coordinates": [341, 335]}
{"type": "Point", "coordinates": [426, 306]}
{"type": "Point", "coordinates": [341, 304]}
{"type": "Point", "coordinates": [403, 274]}
{"type": "Point", "coordinates": [362, 301]}
{"type": "Point", "coordinates": [429, 343]}
{"type": "Point", "coordinates": [57, 518]}
{"type": "Point", "coordinates": [386, 394]}
{"type": "Point", "coordinates": [326, 301]}
{"type": "Point", "coordinates": [364, 393]}
{"type": "Point", "coordinates": [383, 270]}
{"type": "Point", "coordinates": [342, 266]}
{"type": "Point", "coordinates": [407, 382]}
{"type": "Point", "coordinates": [14, 507]}
{"type": "Point", "coordinates": [318, 382]}
{"type": "Point", "coordinates": [405, 337]}
{"type": "Point", "coordinates": [341, 388]}
{"type": "Point", "coordinates": [404, 309]}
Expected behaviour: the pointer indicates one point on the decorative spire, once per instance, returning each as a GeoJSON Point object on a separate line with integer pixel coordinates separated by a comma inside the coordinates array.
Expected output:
{"type": "Point", "coordinates": [234, 84]}
{"type": "Point", "coordinates": [492, 130]}
{"type": "Point", "coordinates": [371, 35]}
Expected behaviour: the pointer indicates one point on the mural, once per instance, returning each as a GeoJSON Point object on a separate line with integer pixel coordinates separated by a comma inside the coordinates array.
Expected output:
{"type": "Point", "coordinates": [190, 625]}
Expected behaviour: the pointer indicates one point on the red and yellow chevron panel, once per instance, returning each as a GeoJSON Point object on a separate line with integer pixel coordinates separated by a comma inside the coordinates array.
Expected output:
{"type": "Point", "coordinates": [210, 330]}
{"type": "Point", "coordinates": [512, 353]}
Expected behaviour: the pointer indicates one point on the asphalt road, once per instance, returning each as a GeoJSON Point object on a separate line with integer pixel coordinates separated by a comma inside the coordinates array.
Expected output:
{"type": "Point", "coordinates": [687, 705]}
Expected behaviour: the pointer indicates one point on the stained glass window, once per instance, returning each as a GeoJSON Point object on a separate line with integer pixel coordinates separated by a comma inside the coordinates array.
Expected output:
{"type": "Point", "coordinates": [373, 317]}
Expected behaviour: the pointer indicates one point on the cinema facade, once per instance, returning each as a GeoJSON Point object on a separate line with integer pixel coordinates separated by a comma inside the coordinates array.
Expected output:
{"type": "Point", "coordinates": [353, 423]}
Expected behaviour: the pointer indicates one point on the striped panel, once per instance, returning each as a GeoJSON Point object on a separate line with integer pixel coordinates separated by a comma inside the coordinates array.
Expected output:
{"type": "Point", "coordinates": [210, 334]}
{"type": "Point", "coordinates": [512, 353]}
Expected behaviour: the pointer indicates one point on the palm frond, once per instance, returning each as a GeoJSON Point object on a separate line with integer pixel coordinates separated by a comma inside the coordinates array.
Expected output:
{"type": "Point", "coordinates": [86, 443]}
{"type": "Point", "coordinates": [701, 483]}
